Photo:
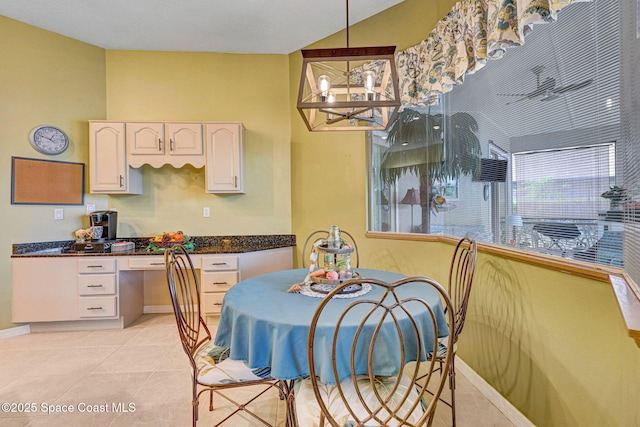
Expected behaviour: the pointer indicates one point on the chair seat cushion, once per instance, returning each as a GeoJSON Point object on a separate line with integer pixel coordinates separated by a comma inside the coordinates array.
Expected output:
{"type": "Point", "coordinates": [441, 353]}
{"type": "Point", "coordinates": [215, 367]}
{"type": "Point", "coordinates": [308, 410]}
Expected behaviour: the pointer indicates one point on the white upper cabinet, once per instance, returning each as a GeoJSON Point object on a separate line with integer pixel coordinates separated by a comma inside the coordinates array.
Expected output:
{"type": "Point", "coordinates": [224, 169]}
{"type": "Point", "coordinates": [109, 171]}
{"type": "Point", "coordinates": [117, 151]}
{"type": "Point", "coordinates": [158, 144]}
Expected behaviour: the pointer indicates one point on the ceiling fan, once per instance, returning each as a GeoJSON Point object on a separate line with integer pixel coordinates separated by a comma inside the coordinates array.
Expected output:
{"type": "Point", "coordinates": [546, 90]}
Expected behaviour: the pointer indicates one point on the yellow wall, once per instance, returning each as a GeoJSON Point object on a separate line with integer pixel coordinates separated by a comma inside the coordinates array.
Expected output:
{"type": "Point", "coordinates": [554, 344]}
{"type": "Point", "coordinates": [44, 79]}
{"type": "Point", "coordinates": [329, 175]}
{"type": "Point", "coordinates": [252, 89]}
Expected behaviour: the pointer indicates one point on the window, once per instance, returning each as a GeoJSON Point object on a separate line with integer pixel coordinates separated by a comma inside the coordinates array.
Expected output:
{"type": "Point", "coordinates": [553, 110]}
{"type": "Point", "coordinates": [561, 210]}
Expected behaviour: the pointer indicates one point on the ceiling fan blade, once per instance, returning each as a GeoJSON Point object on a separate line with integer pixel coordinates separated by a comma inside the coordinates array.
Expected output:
{"type": "Point", "coordinates": [512, 94]}
{"type": "Point", "coordinates": [524, 98]}
{"type": "Point", "coordinates": [550, 96]}
{"type": "Point", "coordinates": [573, 86]}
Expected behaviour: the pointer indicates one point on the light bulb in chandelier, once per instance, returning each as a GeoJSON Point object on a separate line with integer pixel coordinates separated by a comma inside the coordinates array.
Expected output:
{"type": "Point", "coordinates": [369, 80]}
{"type": "Point", "coordinates": [331, 99]}
{"type": "Point", "coordinates": [324, 84]}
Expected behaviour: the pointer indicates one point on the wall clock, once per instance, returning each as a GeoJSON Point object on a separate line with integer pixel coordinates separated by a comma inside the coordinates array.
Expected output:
{"type": "Point", "coordinates": [48, 139]}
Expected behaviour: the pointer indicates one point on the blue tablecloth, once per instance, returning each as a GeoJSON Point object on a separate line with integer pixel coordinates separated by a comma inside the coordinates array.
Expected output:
{"type": "Point", "coordinates": [266, 326]}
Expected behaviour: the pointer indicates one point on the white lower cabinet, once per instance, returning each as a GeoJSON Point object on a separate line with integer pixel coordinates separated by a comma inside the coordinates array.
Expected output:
{"type": "Point", "coordinates": [97, 288]}
{"type": "Point", "coordinates": [217, 274]}
{"type": "Point", "coordinates": [96, 284]}
{"type": "Point", "coordinates": [44, 289]}
{"type": "Point", "coordinates": [98, 306]}
{"type": "Point", "coordinates": [62, 291]}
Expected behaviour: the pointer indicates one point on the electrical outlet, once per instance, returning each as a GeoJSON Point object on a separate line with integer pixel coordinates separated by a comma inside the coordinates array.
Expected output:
{"type": "Point", "coordinates": [90, 208]}
{"type": "Point", "coordinates": [58, 214]}
{"type": "Point", "coordinates": [206, 212]}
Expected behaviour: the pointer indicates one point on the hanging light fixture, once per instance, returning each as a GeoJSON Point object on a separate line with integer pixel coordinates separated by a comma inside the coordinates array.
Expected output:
{"type": "Point", "coordinates": [349, 88]}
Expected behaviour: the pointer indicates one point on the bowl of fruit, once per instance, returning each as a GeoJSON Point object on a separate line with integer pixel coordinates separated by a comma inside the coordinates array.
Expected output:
{"type": "Point", "coordinates": [166, 240]}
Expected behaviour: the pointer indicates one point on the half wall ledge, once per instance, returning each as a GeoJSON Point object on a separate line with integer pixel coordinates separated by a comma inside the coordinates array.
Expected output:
{"type": "Point", "coordinates": [629, 303]}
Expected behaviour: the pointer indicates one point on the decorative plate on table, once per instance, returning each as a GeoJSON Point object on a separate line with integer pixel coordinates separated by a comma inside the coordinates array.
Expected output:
{"type": "Point", "coordinates": [324, 286]}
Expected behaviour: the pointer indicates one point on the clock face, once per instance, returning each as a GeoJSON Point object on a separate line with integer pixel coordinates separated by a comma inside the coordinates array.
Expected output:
{"type": "Point", "coordinates": [49, 139]}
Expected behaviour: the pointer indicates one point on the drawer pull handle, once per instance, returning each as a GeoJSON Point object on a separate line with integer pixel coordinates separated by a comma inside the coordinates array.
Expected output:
{"type": "Point", "coordinates": [94, 308]}
{"type": "Point", "coordinates": [157, 263]}
{"type": "Point", "coordinates": [218, 263]}
{"type": "Point", "coordinates": [220, 283]}
{"type": "Point", "coordinates": [217, 303]}
{"type": "Point", "coordinates": [95, 266]}
{"type": "Point", "coordinates": [94, 286]}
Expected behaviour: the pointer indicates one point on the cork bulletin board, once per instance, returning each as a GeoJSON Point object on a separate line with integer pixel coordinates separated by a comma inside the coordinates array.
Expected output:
{"type": "Point", "coordinates": [46, 182]}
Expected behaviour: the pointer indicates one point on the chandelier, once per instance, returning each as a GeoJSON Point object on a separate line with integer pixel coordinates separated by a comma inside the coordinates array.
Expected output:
{"type": "Point", "coordinates": [348, 88]}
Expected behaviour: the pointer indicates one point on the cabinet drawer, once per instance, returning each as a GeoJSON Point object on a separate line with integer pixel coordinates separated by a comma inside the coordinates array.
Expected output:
{"type": "Point", "coordinates": [219, 281]}
{"type": "Point", "coordinates": [90, 266]}
{"type": "Point", "coordinates": [214, 263]}
{"type": "Point", "coordinates": [97, 284]}
{"type": "Point", "coordinates": [97, 306]}
{"type": "Point", "coordinates": [212, 302]}
{"type": "Point", "coordinates": [146, 263]}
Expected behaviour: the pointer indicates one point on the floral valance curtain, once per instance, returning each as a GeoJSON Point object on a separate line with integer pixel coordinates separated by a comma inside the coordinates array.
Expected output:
{"type": "Point", "coordinates": [462, 42]}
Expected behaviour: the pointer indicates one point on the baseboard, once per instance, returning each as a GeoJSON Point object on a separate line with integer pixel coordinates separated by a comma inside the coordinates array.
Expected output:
{"type": "Point", "coordinates": [498, 400]}
{"type": "Point", "coordinates": [15, 331]}
{"type": "Point", "coordinates": [78, 325]}
{"type": "Point", "coordinates": [153, 309]}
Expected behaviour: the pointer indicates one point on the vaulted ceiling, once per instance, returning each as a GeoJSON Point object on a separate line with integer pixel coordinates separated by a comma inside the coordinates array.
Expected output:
{"type": "Point", "coordinates": [237, 26]}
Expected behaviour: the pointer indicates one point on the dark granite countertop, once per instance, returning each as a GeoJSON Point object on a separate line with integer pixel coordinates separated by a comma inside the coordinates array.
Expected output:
{"type": "Point", "coordinates": [203, 245]}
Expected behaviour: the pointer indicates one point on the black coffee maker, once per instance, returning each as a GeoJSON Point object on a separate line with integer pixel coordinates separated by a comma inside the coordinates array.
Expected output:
{"type": "Point", "coordinates": [109, 222]}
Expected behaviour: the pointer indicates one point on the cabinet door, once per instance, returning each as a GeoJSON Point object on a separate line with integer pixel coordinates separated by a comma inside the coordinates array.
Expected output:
{"type": "Point", "coordinates": [108, 168]}
{"type": "Point", "coordinates": [224, 165]}
{"type": "Point", "coordinates": [145, 139]}
{"type": "Point", "coordinates": [158, 144]}
{"type": "Point", "coordinates": [44, 289]}
{"type": "Point", "coordinates": [184, 139]}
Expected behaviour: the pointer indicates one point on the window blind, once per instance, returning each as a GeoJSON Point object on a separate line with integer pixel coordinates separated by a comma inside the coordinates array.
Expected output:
{"type": "Point", "coordinates": [562, 111]}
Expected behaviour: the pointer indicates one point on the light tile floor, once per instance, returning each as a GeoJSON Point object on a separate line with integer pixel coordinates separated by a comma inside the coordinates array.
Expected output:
{"type": "Point", "coordinates": [139, 376]}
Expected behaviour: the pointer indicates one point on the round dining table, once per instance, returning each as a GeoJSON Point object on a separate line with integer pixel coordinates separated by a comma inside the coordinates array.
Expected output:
{"type": "Point", "coordinates": [268, 327]}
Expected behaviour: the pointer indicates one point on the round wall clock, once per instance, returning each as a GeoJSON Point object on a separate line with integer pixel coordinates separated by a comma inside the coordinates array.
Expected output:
{"type": "Point", "coordinates": [48, 139]}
